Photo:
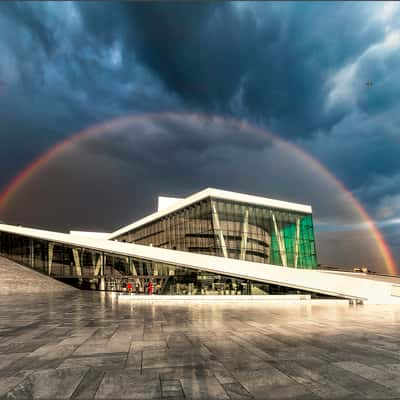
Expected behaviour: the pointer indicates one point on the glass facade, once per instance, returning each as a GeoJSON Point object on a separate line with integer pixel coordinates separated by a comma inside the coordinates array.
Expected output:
{"type": "Point", "coordinates": [91, 269]}
{"type": "Point", "coordinates": [234, 230]}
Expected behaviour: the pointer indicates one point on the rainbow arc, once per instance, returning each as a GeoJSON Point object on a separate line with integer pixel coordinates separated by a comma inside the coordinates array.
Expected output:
{"type": "Point", "coordinates": [121, 122]}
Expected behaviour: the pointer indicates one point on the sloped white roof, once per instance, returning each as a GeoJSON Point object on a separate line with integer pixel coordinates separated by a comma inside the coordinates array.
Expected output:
{"type": "Point", "coordinates": [342, 285]}
{"type": "Point", "coordinates": [95, 235]}
{"type": "Point", "coordinates": [218, 194]}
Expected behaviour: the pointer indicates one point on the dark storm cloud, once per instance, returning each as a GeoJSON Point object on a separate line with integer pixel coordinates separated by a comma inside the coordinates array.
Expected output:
{"type": "Point", "coordinates": [298, 69]}
{"type": "Point", "coordinates": [62, 75]}
{"type": "Point", "coordinates": [265, 60]}
{"type": "Point", "coordinates": [194, 133]}
{"type": "Point", "coordinates": [200, 51]}
{"type": "Point", "coordinates": [360, 149]}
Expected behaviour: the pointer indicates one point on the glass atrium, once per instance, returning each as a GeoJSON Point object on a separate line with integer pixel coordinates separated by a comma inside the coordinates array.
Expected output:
{"type": "Point", "coordinates": [235, 230]}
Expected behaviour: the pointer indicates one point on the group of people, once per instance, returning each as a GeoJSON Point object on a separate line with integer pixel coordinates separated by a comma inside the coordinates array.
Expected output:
{"type": "Point", "coordinates": [140, 287]}
{"type": "Point", "coordinates": [136, 288]}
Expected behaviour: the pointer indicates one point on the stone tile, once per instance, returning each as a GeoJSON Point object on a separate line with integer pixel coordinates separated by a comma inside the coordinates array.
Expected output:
{"type": "Point", "coordinates": [235, 391]}
{"type": "Point", "coordinates": [7, 383]}
{"type": "Point", "coordinates": [171, 385]}
{"type": "Point", "coordinates": [171, 389]}
{"type": "Point", "coordinates": [88, 386]}
{"type": "Point", "coordinates": [7, 359]}
{"type": "Point", "coordinates": [181, 372]}
{"type": "Point", "coordinates": [137, 345]}
{"type": "Point", "coordinates": [220, 372]}
{"type": "Point", "coordinates": [48, 384]}
{"type": "Point", "coordinates": [314, 381]}
{"type": "Point", "coordinates": [53, 351]}
{"type": "Point", "coordinates": [379, 376]}
{"type": "Point", "coordinates": [128, 384]}
{"type": "Point", "coordinates": [204, 387]}
{"type": "Point", "coordinates": [29, 363]}
{"type": "Point", "coordinates": [134, 360]}
{"type": "Point", "coordinates": [21, 347]}
{"type": "Point", "coordinates": [392, 368]}
{"type": "Point", "coordinates": [170, 358]}
{"type": "Point", "coordinates": [102, 361]}
{"type": "Point", "coordinates": [270, 383]}
{"type": "Point", "coordinates": [173, 396]}
{"type": "Point", "coordinates": [350, 381]}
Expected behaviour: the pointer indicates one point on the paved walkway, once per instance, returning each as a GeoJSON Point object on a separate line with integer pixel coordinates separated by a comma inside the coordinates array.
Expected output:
{"type": "Point", "coordinates": [85, 345]}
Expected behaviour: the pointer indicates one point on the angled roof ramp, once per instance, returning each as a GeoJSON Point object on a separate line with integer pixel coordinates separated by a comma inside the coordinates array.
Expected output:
{"type": "Point", "coordinates": [348, 286]}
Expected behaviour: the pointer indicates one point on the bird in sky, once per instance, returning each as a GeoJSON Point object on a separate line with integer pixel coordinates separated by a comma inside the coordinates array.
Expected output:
{"type": "Point", "coordinates": [369, 83]}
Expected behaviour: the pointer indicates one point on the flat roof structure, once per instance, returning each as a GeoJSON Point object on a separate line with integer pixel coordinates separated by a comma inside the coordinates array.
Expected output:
{"type": "Point", "coordinates": [216, 194]}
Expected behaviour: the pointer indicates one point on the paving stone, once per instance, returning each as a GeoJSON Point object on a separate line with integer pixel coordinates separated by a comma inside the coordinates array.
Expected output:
{"type": "Point", "coordinates": [379, 376]}
{"type": "Point", "coordinates": [170, 358]}
{"type": "Point", "coordinates": [364, 388]}
{"type": "Point", "coordinates": [139, 345]}
{"type": "Point", "coordinates": [100, 361]}
{"type": "Point", "coordinates": [171, 389]}
{"type": "Point", "coordinates": [128, 384]}
{"type": "Point", "coordinates": [181, 372]}
{"type": "Point", "coordinates": [236, 391]}
{"type": "Point", "coordinates": [48, 384]}
{"type": "Point", "coordinates": [314, 381]}
{"type": "Point", "coordinates": [134, 360]}
{"type": "Point", "coordinates": [171, 385]}
{"type": "Point", "coordinates": [22, 347]}
{"type": "Point", "coordinates": [270, 383]}
{"type": "Point", "coordinates": [7, 383]}
{"type": "Point", "coordinates": [7, 359]}
{"type": "Point", "coordinates": [89, 384]}
{"type": "Point", "coordinates": [204, 387]}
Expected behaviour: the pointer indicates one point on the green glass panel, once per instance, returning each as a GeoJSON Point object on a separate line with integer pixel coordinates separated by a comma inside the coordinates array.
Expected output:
{"type": "Point", "coordinates": [275, 257]}
{"type": "Point", "coordinates": [289, 236]}
{"type": "Point", "coordinates": [307, 254]}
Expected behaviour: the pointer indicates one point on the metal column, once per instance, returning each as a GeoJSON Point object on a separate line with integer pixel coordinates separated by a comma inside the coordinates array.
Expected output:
{"type": "Point", "coordinates": [77, 261]}
{"type": "Point", "coordinates": [296, 242]}
{"type": "Point", "coordinates": [50, 257]}
{"type": "Point", "coordinates": [99, 265]}
{"type": "Point", "coordinates": [217, 228]}
{"type": "Point", "coordinates": [243, 244]}
{"type": "Point", "coordinates": [31, 254]}
{"type": "Point", "coordinates": [281, 243]}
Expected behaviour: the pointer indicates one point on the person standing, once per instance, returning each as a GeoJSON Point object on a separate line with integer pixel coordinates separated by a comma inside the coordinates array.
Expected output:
{"type": "Point", "coordinates": [129, 287]}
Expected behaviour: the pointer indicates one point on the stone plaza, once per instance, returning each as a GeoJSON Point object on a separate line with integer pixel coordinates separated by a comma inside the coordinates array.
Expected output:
{"type": "Point", "coordinates": [93, 345]}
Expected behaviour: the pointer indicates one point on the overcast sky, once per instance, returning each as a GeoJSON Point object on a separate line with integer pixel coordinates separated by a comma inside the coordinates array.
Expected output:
{"type": "Point", "coordinates": [296, 69]}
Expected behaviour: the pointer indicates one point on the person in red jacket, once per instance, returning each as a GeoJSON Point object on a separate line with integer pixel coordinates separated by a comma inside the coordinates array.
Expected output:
{"type": "Point", "coordinates": [150, 288]}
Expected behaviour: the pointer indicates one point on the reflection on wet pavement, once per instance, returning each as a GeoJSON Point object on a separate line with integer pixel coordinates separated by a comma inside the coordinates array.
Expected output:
{"type": "Point", "coordinates": [85, 345]}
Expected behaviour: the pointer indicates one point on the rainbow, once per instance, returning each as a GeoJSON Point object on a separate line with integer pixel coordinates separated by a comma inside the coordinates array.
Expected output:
{"type": "Point", "coordinates": [121, 122]}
